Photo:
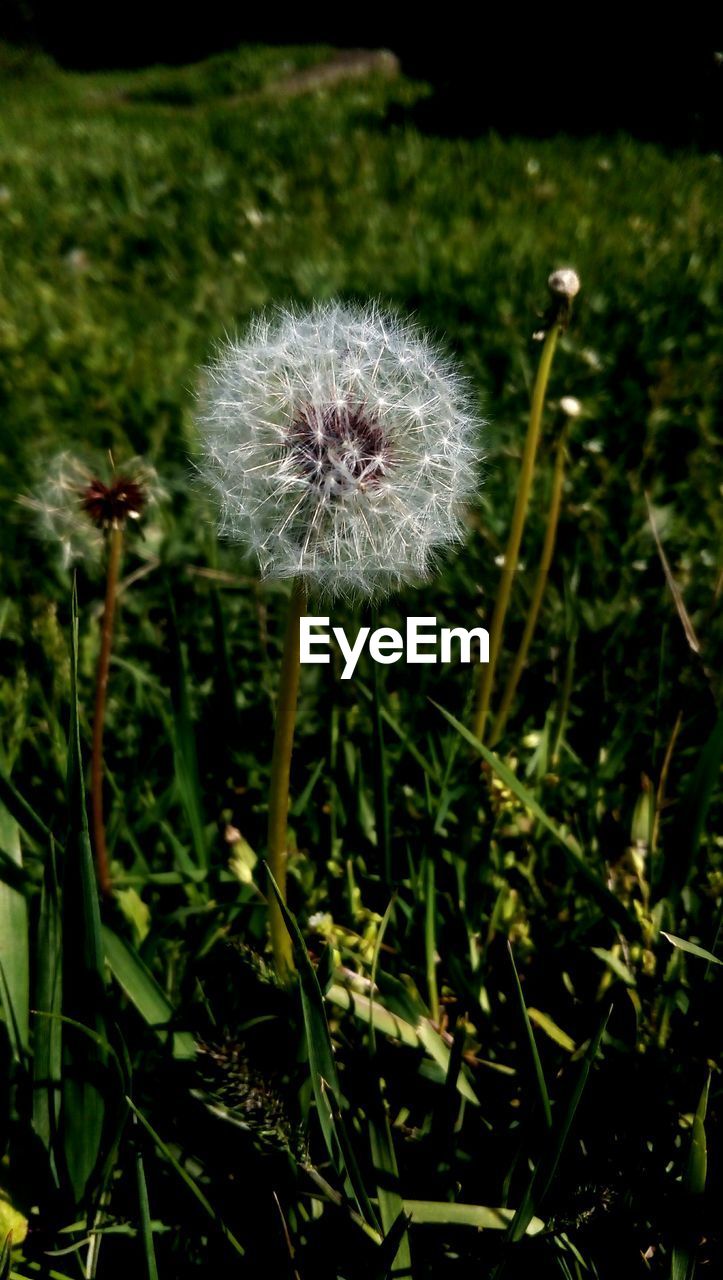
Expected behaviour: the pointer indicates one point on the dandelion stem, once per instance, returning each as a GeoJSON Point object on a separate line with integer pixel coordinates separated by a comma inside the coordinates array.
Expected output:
{"type": "Point", "coordinates": [381, 777]}
{"type": "Point", "coordinates": [487, 672]}
{"type": "Point", "coordinates": [115, 549]}
{"type": "Point", "coordinates": [277, 851]}
{"type": "Point", "coordinates": [533, 612]}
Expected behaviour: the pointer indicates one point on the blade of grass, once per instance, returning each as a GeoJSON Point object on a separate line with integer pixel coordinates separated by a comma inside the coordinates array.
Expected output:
{"type": "Point", "coordinates": [348, 1155]}
{"type": "Point", "coordinates": [479, 1216]}
{"type": "Point", "coordinates": [384, 1157]}
{"type": "Point", "coordinates": [322, 1066]}
{"type": "Point", "coordinates": [683, 1255]}
{"type": "Point", "coordinates": [144, 992]}
{"type": "Point", "coordinates": [144, 1213]}
{"type": "Point", "coordinates": [83, 977]}
{"type": "Point", "coordinates": [184, 743]}
{"type": "Point", "coordinates": [530, 1036]}
{"type": "Point", "coordinates": [430, 938]}
{"type": "Point", "coordinates": [381, 779]}
{"type": "Point", "coordinates": [390, 1024]}
{"type": "Point", "coordinates": [386, 1262]}
{"type": "Point", "coordinates": [185, 1177]}
{"type": "Point", "coordinates": [14, 945]}
{"type": "Point", "coordinates": [23, 813]}
{"type": "Point", "coordinates": [546, 1167]}
{"type": "Point", "coordinates": [611, 905]}
{"type": "Point", "coordinates": [691, 947]}
{"type": "Point", "coordinates": [389, 1198]}
{"type": "Point", "coordinates": [48, 1032]}
{"type": "Point", "coordinates": [686, 830]}
{"type": "Point", "coordinates": [401, 733]}
{"type": "Point", "coordinates": [673, 587]}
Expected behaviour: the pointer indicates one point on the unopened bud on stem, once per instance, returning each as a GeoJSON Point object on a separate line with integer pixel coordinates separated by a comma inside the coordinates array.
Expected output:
{"type": "Point", "coordinates": [564, 285]}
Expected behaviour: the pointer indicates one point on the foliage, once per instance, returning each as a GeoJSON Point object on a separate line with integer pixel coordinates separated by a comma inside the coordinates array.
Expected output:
{"type": "Point", "coordinates": [165, 1104]}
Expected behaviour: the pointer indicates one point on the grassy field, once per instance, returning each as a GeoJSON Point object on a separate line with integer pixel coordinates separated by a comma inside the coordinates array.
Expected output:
{"type": "Point", "coordinates": [142, 217]}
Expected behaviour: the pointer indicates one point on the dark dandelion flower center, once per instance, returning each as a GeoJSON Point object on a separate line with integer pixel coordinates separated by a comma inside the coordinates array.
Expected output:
{"type": "Point", "coordinates": [341, 449]}
{"type": "Point", "coordinates": [109, 505]}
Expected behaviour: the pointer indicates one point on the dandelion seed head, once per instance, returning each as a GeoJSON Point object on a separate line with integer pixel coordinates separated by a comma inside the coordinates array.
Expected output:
{"type": "Point", "coordinates": [571, 406]}
{"type": "Point", "coordinates": [341, 446]}
{"type": "Point", "coordinates": [565, 282]}
{"type": "Point", "coordinates": [77, 499]}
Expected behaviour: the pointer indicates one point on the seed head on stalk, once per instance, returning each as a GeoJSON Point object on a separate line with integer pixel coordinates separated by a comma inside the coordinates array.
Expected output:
{"type": "Point", "coordinates": [78, 500]}
{"type": "Point", "coordinates": [85, 509]}
{"type": "Point", "coordinates": [341, 445]}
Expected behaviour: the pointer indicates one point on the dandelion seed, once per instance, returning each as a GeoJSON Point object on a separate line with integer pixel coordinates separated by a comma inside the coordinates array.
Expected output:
{"type": "Point", "coordinates": [341, 446]}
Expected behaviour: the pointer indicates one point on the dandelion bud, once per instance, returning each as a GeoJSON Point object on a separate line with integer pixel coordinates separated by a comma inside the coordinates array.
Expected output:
{"type": "Point", "coordinates": [571, 406]}
{"type": "Point", "coordinates": [341, 446]}
{"type": "Point", "coordinates": [564, 283]}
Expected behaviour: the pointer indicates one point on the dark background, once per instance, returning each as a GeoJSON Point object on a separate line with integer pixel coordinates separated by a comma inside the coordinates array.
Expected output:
{"type": "Point", "coordinates": [534, 76]}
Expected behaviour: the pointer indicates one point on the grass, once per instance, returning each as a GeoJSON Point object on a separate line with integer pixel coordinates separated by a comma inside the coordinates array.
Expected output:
{"type": "Point", "coordinates": [174, 1110]}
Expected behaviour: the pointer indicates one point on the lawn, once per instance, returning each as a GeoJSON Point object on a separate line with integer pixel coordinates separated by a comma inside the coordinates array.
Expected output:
{"type": "Point", "coordinates": [167, 1105]}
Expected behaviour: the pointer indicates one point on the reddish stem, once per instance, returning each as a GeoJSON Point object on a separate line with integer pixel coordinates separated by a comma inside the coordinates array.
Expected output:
{"type": "Point", "coordinates": [115, 547]}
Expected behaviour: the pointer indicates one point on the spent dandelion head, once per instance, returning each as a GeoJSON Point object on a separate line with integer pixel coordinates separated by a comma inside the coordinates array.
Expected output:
{"type": "Point", "coordinates": [78, 500]}
{"type": "Point", "coordinates": [565, 282]}
{"type": "Point", "coordinates": [341, 445]}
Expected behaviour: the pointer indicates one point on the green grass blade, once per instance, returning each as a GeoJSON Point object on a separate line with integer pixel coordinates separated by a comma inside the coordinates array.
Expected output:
{"type": "Point", "coordinates": [381, 782]}
{"type": "Point", "coordinates": [144, 1213]}
{"type": "Point", "coordinates": [686, 830]}
{"type": "Point", "coordinates": [14, 945]}
{"type": "Point", "coordinates": [23, 813]}
{"type": "Point", "coordinates": [397, 1028]}
{"type": "Point", "coordinates": [185, 1177]}
{"type": "Point", "coordinates": [144, 992]}
{"type": "Point", "coordinates": [683, 1254]}
{"type": "Point", "coordinates": [322, 1066]}
{"type": "Point", "coordinates": [384, 1157]}
{"type": "Point", "coordinates": [184, 745]}
{"type": "Point", "coordinates": [83, 974]}
{"type": "Point", "coordinates": [409, 745]}
{"type": "Point", "coordinates": [373, 1014]}
{"type": "Point", "coordinates": [697, 1170]}
{"type": "Point", "coordinates": [546, 1167]}
{"type": "Point", "coordinates": [692, 948]}
{"type": "Point", "coordinates": [387, 1177]}
{"type": "Point", "coordinates": [611, 905]}
{"type": "Point", "coordinates": [48, 1032]}
{"type": "Point", "coordinates": [479, 1216]}
{"type": "Point", "coordinates": [430, 937]}
{"type": "Point", "coordinates": [530, 1036]}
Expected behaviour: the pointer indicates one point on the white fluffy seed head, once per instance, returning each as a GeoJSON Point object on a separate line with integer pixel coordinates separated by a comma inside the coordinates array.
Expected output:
{"type": "Point", "coordinates": [342, 447]}
{"type": "Point", "coordinates": [564, 283]}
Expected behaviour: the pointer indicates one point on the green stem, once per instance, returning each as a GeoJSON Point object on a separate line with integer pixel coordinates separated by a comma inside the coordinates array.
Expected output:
{"type": "Point", "coordinates": [381, 793]}
{"type": "Point", "coordinates": [115, 549]}
{"type": "Point", "coordinates": [430, 939]}
{"type": "Point", "coordinates": [277, 852]}
{"type": "Point", "coordinates": [533, 611]}
{"type": "Point", "coordinates": [518, 523]}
